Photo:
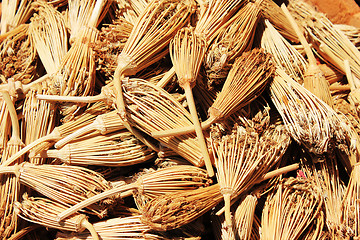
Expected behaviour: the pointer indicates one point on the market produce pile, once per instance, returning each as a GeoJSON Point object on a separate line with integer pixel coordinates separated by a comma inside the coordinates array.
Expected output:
{"type": "Point", "coordinates": [178, 119]}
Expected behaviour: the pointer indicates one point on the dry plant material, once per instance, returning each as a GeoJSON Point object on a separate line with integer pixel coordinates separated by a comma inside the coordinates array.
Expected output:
{"type": "Point", "coordinates": [117, 149]}
{"type": "Point", "coordinates": [151, 185]}
{"type": "Point", "coordinates": [290, 209]}
{"type": "Point", "coordinates": [116, 228]}
{"type": "Point", "coordinates": [314, 79]}
{"type": "Point", "coordinates": [9, 187]}
{"type": "Point", "coordinates": [351, 32]}
{"type": "Point", "coordinates": [244, 157]}
{"type": "Point", "coordinates": [284, 54]}
{"type": "Point", "coordinates": [271, 11]}
{"type": "Point", "coordinates": [221, 229]}
{"type": "Point", "coordinates": [171, 211]}
{"type": "Point", "coordinates": [66, 184]}
{"type": "Point", "coordinates": [5, 126]}
{"type": "Point", "coordinates": [43, 211]}
{"type": "Point", "coordinates": [187, 52]}
{"type": "Point", "coordinates": [309, 120]}
{"type": "Point", "coordinates": [247, 79]}
{"type": "Point", "coordinates": [232, 39]}
{"type": "Point", "coordinates": [14, 13]}
{"type": "Point", "coordinates": [131, 10]}
{"type": "Point", "coordinates": [244, 217]}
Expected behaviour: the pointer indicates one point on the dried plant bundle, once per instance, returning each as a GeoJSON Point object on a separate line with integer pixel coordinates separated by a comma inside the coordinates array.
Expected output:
{"type": "Point", "coordinates": [5, 127]}
{"type": "Point", "coordinates": [187, 51]}
{"type": "Point", "coordinates": [9, 187]}
{"type": "Point", "coordinates": [221, 229]}
{"type": "Point", "coordinates": [117, 149]}
{"type": "Point", "coordinates": [14, 13]}
{"type": "Point", "coordinates": [131, 10]}
{"type": "Point", "coordinates": [244, 157]}
{"type": "Point", "coordinates": [232, 39]}
{"type": "Point", "coordinates": [175, 210]}
{"type": "Point", "coordinates": [290, 209]}
{"type": "Point", "coordinates": [284, 54]}
{"type": "Point", "coordinates": [116, 228]}
{"type": "Point", "coordinates": [152, 184]}
{"type": "Point", "coordinates": [49, 35]}
{"type": "Point", "coordinates": [247, 79]}
{"type": "Point", "coordinates": [309, 120]}
{"type": "Point", "coordinates": [314, 79]}
{"type": "Point", "coordinates": [351, 32]}
{"type": "Point", "coordinates": [43, 211]}
{"type": "Point", "coordinates": [66, 184]}
{"type": "Point", "coordinates": [244, 217]}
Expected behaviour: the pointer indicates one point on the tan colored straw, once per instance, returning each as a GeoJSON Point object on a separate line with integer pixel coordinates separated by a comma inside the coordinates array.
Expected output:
{"type": "Point", "coordinates": [14, 13]}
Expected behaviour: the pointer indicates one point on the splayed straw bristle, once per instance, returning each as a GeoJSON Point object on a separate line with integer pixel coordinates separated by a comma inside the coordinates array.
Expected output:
{"type": "Point", "coordinates": [66, 184]}
{"type": "Point", "coordinates": [247, 79]}
{"type": "Point", "coordinates": [44, 211]}
{"type": "Point", "coordinates": [14, 13]}
{"type": "Point", "coordinates": [153, 184]}
{"type": "Point", "coordinates": [187, 52]}
{"type": "Point", "coordinates": [244, 217]}
{"type": "Point", "coordinates": [175, 210]}
{"type": "Point", "coordinates": [221, 229]}
{"type": "Point", "coordinates": [284, 54]}
{"type": "Point", "coordinates": [132, 9]}
{"type": "Point", "coordinates": [309, 120]}
{"type": "Point", "coordinates": [290, 209]}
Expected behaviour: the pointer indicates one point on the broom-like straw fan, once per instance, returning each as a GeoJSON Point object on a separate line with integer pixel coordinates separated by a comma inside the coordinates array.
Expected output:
{"type": "Point", "coordinates": [314, 79]}
{"type": "Point", "coordinates": [66, 184]}
{"type": "Point", "coordinates": [309, 120]}
{"type": "Point", "coordinates": [131, 10]}
{"type": "Point", "coordinates": [43, 211]}
{"type": "Point", "coordinates": [187, 52]}
{"type": "Point", "coordinates": [153, 184]}
{"type": "Point", "coordinates": [284, 54]}
{"type": "Point", "coordinates": [61, 131]}
{"type": "Point", "coordinates": [290, 209]}
{"type": "Point", "coordinates": [14, 13]}
{"type": "Point", "coordinates": [247, 78]}
{"type": "Point", "coordinates": [244, 217]}
{"type": "Point", "coordinates": [115, 149]}
{"type": "Point", "coordinates": [243, 157]}
{"type": "Point", "coordinates": [9, 188]}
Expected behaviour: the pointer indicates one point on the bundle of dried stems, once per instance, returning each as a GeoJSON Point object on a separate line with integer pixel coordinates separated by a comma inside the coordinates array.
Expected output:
{"type": "Point", "coordinates": [151, 185]}
{"type": "Point", "coordinates": [9, 187]}
{"type": "Point", "coordinates": [309, 120]}
{"type": "Point", "coordinates": [284, 54]}
{"type": "Point", "coordinates": [221, 229]}
{"type": "Point", "coordinates": [187, 51]}
{"type": "Point", "coordinates": [175, 210]}
{"type": "Point", "coordinates": [351, 32]}
{"type": "Point", "coordinates": [43, 211]}
{"type": "Point", "coordinates": [66, 184]}
{"type": "Point", "coordinates": [131, 10]}
{"type": "Point", "coordinates": [245, 156]}
{"type": "Point", "coordinates": [290, 209]}
{"type": "Point", "coordinates": [244, 217]}
{"type": "Point", "coordinates": [14, 13]}
{"type": "Point", "coordinates": [248, 77]}
{"type": "Point", "coordinates": [232, 39]}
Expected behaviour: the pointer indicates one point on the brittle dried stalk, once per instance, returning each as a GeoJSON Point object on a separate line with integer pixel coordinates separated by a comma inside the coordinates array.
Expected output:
{"type": "Point", "coordinates": [221, 229]}
{"type": "Point", "coordinates": [14, 13]}
{"type": "Point", "coordinates": [284, 54]}
{"type": "Point", "coordinates": [9, 187]}
{"type": "Point", "coordinates": [187, 52]}
{"type": "Point", "coordinates": [290, 209]}
{"type": "Point", "coordinates": [351, 32]}
{"type": "Point", "coordinates": [175, 210]}
{"type": "Point", "coordinates": [309, 120]}
{"type": "Point", "coordinates": [232, 39]}
{"type": "Point", "coordinates": [151, 185]}
{"type": "Point", "coordinates": [314, 79]}
{"type": "Point", "coordinates": [43, 211]}
{"type": "Point", "coordinates": [244, 157]}
{"type": "Point", "coordinates": [247, 79]}
{"type": "Point", "coordinates": [116, 149]}
{"type": "Point", "coordinates": [244, 217]}
{"type": "Point", "coordinates": [66, 184]}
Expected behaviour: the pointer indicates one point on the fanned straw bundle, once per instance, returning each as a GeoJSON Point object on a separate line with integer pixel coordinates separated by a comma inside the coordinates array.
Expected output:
{"type": "Point", "coordinates": [290, 209]}
{"type": "Point", "coordinates": [247, 79]}
{"type": "Point", "coordinates": [132, 9]}
{"type": "Point", "coordinates": [271, 11]}
{"type": "Point", "coordinates": [244, 217]}
{"type": "Point", "coordinates": [9, 186]}
{"type": "Point", "coordinates": [66, 184]}
{"type": "Point", "coordinates": [309, 120]}
{"type": "Point", "coordinates": [151, 185]}
{"type": "Point", "coordinates": [116, 149]}
{"type": "Point", "coordinates": [244, 157]}
{"type": "Point", "coordinates": [314, 79]}
{"type": "Point", "coordinates": [44, 211]}
{"type": "Point", "coordinates": [187, 52]}
{"type": "Point", "coordinates": [116, 228]}
{"type": "Point", "coordinates": [232, 39]}
{"type": "Point", "coordinates": [284, 54]}
{"type": "Point", "coordinates": [175, 210]}
{"type": "Point", "coordinates": [351, 32]}
{"type": "Point", "coordinates": [14, 13]}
